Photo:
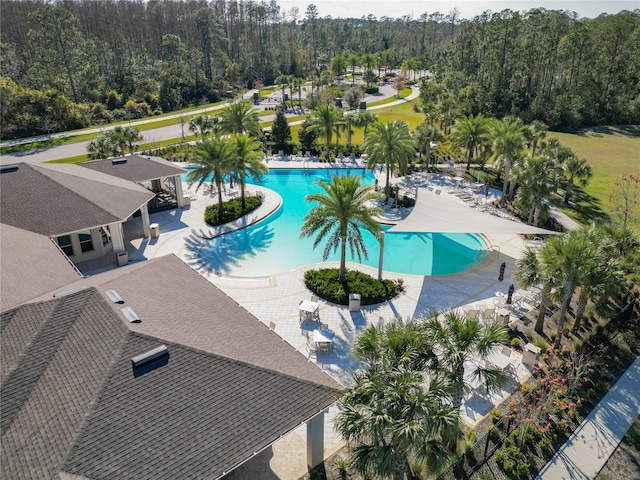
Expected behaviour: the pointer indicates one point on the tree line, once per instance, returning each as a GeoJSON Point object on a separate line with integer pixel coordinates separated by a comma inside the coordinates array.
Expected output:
{"type": "Point", "coordinates": [70, 64]}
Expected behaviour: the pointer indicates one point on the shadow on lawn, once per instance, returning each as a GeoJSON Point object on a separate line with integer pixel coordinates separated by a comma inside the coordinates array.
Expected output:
{"type": "Point", "coordinates": [584, 208]}
{"type": "Point", "coordinates": [625, 130]}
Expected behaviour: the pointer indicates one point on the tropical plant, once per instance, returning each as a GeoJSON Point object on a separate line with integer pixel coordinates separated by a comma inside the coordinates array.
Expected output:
{"type": "Point", "coordinates": [238, 118]}
{"type": "Point", "coordinates": [566, 260]}
{"type": "Point", "coordinates": [532, 175]}
{"type": "Point", "coordinates": [535, 133]}
{"type": "Point", "coordinates": [529, 274]}
{"type": "Point", "coordinates": [391, 145]}
{"type": "Point", "coordinates": [129, 135]}
{"type": "Point", "coordinates": [461, 341]}
{"type": "Point", "coordinates": [508, 142]}
{"type": "Point", "coordinates": [365, 120]}
{"type": "Point", "coordinates": [574, 168]}
{"type": "Point", "coordinates": [212, 163]}
{"type": "Point", "coordinates": [471, 133]}
{"type": "Point", "coordinates": [246, 161]}
{"type": "Point", "coordinates": [391, 414]}
{"type": "Point", "coordinates": [339, 217]}
{"type": "Point", "coordinates": [425, 135]}
{"type": "Point", "coordinates": [326, 120]}
{"type": "Point", "coordinates": [202, 124]}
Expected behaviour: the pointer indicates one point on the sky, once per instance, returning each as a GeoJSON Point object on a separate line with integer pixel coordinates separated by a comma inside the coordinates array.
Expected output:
{"type": "Point", "coordinates": [467, 8]}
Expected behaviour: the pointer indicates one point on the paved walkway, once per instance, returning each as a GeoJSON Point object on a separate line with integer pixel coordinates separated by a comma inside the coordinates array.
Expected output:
{"type": "Point", "coordinates": [585, 453]}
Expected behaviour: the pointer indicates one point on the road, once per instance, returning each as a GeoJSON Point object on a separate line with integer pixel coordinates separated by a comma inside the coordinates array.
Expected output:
{"type": "Point", "coordinates": [173, 131]}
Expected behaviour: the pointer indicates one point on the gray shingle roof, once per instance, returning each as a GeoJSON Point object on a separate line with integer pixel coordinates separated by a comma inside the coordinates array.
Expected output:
{"type": "Point", "coordinates": [55, 358]}
{"type": "Point", "coordinates": [31, 266]}
{"type": "Point", "coordinates": [194, 415]}
{"type": "Point", "coordinates": [56, 199]}
{"type": "Point", "coordinates": [135, 168]}
{"type": "Point", "coordinates": [72, 401]}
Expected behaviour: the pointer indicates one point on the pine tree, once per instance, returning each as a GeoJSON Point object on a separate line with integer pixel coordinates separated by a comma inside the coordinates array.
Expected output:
{"type": "Point", "coordinates": [280, 131]}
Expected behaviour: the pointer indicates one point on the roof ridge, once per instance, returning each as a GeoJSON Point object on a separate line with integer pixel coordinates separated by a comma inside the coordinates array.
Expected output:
{"type": "Point", "coordinates": [19, 383]}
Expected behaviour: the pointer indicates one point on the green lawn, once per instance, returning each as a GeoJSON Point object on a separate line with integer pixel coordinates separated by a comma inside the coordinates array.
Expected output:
{"type": "Point", "coordinates": [611, 152]}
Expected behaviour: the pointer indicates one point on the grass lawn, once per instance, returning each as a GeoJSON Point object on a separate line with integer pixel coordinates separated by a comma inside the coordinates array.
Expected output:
{"type": "Point", "coordinates": [611, 152]}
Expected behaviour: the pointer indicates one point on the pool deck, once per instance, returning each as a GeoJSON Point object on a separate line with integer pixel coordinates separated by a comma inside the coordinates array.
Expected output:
{"type": "Point", "coordinates": [275, 298]}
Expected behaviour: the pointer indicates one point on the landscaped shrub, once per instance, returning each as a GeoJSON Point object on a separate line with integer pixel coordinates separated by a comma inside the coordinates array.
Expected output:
{"type": "Point", "coordinates": [324, 283]}
{"type": "Point", "coordinates": [231, 210]}
{"type": "Point", "coordinates": [372, 89]}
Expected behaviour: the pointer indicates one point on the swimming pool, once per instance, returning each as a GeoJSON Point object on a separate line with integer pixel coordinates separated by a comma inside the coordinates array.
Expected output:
{"type": "Point", "coordinates": [274, 245]}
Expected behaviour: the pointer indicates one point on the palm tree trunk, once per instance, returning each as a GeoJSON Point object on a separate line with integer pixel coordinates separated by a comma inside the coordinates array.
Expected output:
{"type": "Point", "coordinates": [568, 292]}
{"type": "Point", "coordinates": [242, 199]}
{"type": "Point", "coordinates": [220, 209]}
{"type": "Point", "coordinates": [580, 309]}
{"type": "Point", "coordinates": [567, 192]}
{"type": "Point", "coordinates": [544, 301]}
{"type": "Point", "coordinates": [343, 258]}
{"type": "Point", "coordinates": [507, 169]}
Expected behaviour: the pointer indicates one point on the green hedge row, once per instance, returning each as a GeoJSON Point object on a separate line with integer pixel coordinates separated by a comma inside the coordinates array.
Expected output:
{"type": "Point", "coordinates": [324, 283]}
{"type": "Point", "coordinates": [231, 210]}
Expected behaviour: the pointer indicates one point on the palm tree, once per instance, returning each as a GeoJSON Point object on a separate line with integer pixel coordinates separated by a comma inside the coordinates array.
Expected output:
{"type": "Point", "coordinates": [202, 124]}
{"type": "Point", "coordinates": [574, 168]}
{"type": "Point", "coordinates": [247, 161]}
{"type": "Point", "coordinates": [471, 133]}
{"type": "Point", "coordinates": [238, 118]}
{"type": "Point", "coordinates": [529, 273]}
{"type": "Point", "coordinates": [566, 260]}
{"type": "Point", "coordinates": [364, 120]}
{"type": "Point", "coordinates": [390, 145]}
{"type": "Point", "coordinates": [390, 414]}
{"type": "Point", "coordinates": [340, 216]}
{"type": "Point", "coordinates": [508, 141]}
{"type": "Point", "coordinates": [130, 136]}
{"type": "Point", "coordinates": [327, 119]}
{"type": "Point", "coordinates": [534, 133]}
{"type": "Point", "coordinates": [213, 161]}
{"type": "Point", "coordinates": [459, 341]}
{"type": "Point", "coordinates": [353, 60]}
{"type": "Point", "coordinates": [532, 175]}
{"type": "Point", "coordinates": [425, 135]}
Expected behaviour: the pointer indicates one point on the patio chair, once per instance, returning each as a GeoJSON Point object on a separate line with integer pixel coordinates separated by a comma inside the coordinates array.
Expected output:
{"type": "Point", "coordinates": [314, 298]}
{"type": "Point", "coordinates": [488, 313]}
{"type": "Point", "coordinates": [272, 326]}
{"type": "Point", "coordinates": [324, 326]}
{"type": "Point", "coordinates": [473, 313]}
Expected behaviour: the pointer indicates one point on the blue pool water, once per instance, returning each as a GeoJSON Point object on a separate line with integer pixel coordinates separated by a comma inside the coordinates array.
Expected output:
{"type": "Point", "coordinates": [274, 244]}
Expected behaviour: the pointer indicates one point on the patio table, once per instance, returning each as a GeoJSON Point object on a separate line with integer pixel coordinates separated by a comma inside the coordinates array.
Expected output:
{"type": "Point", "coordinates": [499, 359]}
{"type": "Point", "coordinates": [323, 339]}
{"type": "Point", "coordinates": [308, 309]}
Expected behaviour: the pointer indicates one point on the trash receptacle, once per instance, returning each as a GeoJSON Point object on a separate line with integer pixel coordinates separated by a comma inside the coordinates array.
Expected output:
{"type": "Point", "coordinates": [154, 230]}
{"type": "Point", "coordinates": [186, 201]}
{"type": "Point", "coordinates": [354, 302]}
{"type": "Point", "coordinates": [530, 354]}
{"type": "Point", "coordinates": [122, 257]}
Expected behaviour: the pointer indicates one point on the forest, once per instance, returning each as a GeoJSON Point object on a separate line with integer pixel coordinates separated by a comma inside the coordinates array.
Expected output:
{"type": "Point", "coordinates": [71, 64]}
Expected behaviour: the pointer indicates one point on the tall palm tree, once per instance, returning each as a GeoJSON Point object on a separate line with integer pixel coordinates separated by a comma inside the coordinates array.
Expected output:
{"type": "Point", "coordinates": [390, 414]}
{"type": "Point", "coordinates": [202, 124]}
{"type": "Point", "coordinates": [247, 161]}
{"type": "Point", "coordinates": [508, 142]}
{"type": "Point", "coordinates": [425, 135]}
{"type": "Point", "coordinates": [391, 145]}
{"type": "Point", "coordinates": [238, 118]}
{"type": "Point", "coordinates": [566, 260]}
{"type": "Point", "coordinates": [339, 217]}
{"type": "Point", "coordinates": [535, 133]}
{"type": "Point", "coordinates": [365, 120]}
{"type": "Point", "coordinates": [574, 168]}
{"type": "Point", "coordinates": [471, 133]}
{"type": "Point", "coordinates": [130, 136]}
{"type": "Point", "coordinates": [532, 175]}
{"type": "Point", "coordinates": [464, 341]}
{"type": "Point", "coordinates": [326, 120]}
{"type": "Point", "coordinates": [529, 273]}
{"type": "Point", "coordinates": [212, 163]}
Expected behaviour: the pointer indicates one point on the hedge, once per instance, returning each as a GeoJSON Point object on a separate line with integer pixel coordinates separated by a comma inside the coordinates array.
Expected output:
{"type": "Point", "coordinates": [231, 210]}
{"type": "Point", "coordinates": [324, 283]}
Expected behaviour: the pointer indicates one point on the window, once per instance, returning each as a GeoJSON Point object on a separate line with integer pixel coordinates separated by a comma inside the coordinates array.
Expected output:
{"type": "Point", "coordinates": [86, 242]}
{"type": "Point", "coordinates": [64, 241]}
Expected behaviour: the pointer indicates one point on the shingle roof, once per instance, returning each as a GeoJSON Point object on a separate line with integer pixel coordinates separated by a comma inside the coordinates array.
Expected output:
{"type": "Point", "coordinates": [55, 199]}
{"type": "Point", "coordinates": [55, 358]}
{"type": "Point", "coordinates": [192, 415]}
{"type": "Point", "coordinates": [72, 401]}
{"type": "Point", "coordinates": [135, 168]}
{"type": "Point", "coordinates": [31, 266]}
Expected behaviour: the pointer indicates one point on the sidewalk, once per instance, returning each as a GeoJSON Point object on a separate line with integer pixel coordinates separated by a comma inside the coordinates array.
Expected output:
{"type": "Point", "coordinates": [595, 440]}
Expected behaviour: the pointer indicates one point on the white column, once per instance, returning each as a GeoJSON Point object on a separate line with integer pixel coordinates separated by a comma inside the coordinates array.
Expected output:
{"type": "Point", "coordinates": [315, 441]}
{"type": "Point", "coordinates": [144, 214]}
{"type": "Point", "coordinates": [117, 237]}
{"type": "Point", "coordinates": [179, 193]}
{"type": "Point", "coordinates": [381, 257]}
